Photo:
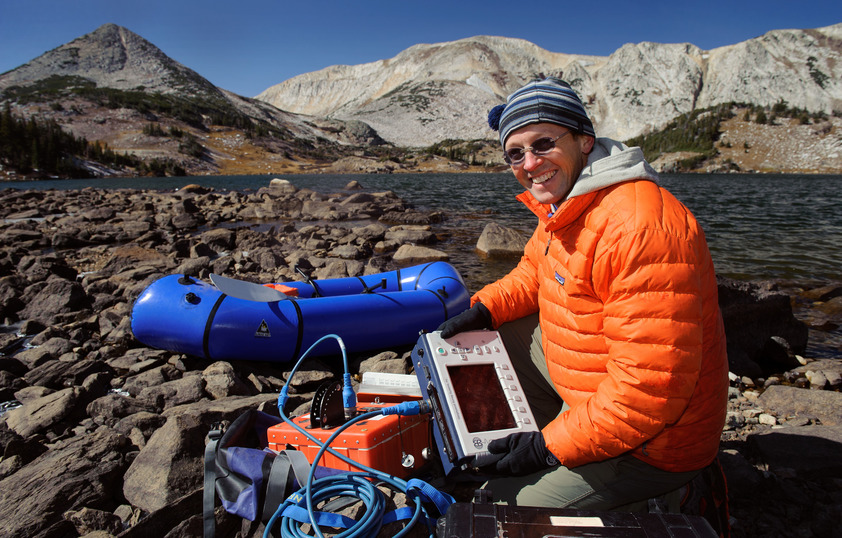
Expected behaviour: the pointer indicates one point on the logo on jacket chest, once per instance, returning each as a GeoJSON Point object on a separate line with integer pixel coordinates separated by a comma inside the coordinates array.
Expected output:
{"type": "Point", "coordinates": [559, 278]}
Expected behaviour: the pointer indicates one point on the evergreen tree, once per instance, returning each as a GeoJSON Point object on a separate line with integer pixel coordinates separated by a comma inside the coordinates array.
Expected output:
{"type": "Point", "coordinates": [27, 145]}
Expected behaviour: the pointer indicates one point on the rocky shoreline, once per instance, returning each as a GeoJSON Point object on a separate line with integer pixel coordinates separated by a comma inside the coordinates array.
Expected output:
{"type": "Point", "coordinates": [101, 436]}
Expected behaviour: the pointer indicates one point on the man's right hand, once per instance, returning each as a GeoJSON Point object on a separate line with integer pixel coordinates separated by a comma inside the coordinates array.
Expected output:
{"type": "Point", "coordinates": [476, 318]}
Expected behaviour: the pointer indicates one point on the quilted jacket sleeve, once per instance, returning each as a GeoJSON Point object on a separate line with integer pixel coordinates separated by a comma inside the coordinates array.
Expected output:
{"type": "Point", "coordinates": [516, 294]}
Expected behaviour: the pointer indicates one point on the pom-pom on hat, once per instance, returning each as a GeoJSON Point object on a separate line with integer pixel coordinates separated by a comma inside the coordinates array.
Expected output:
{"type": "Point", "coordinates": [551, 100]}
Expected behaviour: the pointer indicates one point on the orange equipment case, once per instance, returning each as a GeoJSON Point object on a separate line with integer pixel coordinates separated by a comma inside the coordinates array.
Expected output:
{"type": "Point", "coordinates": [379, 442]}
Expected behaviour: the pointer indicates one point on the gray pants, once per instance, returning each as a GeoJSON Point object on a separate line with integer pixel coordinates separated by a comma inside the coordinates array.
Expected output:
{"type": "Point", "coordinates": [622, 483]}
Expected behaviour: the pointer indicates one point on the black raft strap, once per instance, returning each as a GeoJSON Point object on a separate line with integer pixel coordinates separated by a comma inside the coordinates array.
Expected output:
{"type": "Point", "coordinates": [279, 486]}
{"type": "Point", "coordinates": [209, 324]}
{"type": "Point", "coordinates": [209, 487]}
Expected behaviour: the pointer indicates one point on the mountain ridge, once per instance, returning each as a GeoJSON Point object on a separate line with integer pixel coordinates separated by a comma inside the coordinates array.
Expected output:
{"type": "Point", "coordinates": [408, 112]}
{"type": "Point", "coordinates": [637, 89]}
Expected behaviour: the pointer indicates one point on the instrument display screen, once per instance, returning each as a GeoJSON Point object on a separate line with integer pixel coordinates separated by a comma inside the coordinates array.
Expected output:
{"type": "Point", "coordinates": [481, 398]}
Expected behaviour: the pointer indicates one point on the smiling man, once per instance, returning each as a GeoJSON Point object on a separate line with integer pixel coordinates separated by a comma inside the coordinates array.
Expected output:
{"type": "Point", "coordinates": [611, 319]}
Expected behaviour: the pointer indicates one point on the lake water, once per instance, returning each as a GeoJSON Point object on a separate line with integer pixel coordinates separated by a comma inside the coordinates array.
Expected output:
{"type": "Point", "coordinates": [782, 227]}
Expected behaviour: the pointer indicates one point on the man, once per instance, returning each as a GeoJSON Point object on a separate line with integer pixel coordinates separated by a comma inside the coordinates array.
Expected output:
{"type": "Point", "coordinates": [615, 303]}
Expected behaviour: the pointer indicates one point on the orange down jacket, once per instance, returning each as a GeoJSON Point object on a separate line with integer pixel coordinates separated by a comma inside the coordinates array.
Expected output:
{"type": "Point", "coordinates": [625, 289]}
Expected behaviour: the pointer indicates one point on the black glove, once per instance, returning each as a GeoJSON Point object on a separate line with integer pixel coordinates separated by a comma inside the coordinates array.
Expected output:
{"type": "Point", "coordinates": [523, 453]}
{"type": "Point", "coordinates": [476, 318]}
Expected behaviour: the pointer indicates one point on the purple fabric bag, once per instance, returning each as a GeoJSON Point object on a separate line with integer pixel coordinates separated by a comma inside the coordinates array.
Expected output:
{"type": "Point", "coordinates": [250, 480]}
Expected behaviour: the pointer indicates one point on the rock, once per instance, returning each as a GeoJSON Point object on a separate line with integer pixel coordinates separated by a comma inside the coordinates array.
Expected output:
{"type": "Point", "coordinates": [194, 267]}
{"type": "Point", "coordinates": [499, 241]}
{"type": "Point", "coordinates": [111, 408]}
{"type": "Point", "coordinates": [44, 413]}
{"type": "Point", "coordinates": [38, 269]}
{"type": "Point", "coordinates": [338, 269]}
{"type": "Point", "coordinates": [170, 520]}
{"type": "Point", "coordinates": [408, 255]}
{"type": "Point", "coordinates": [757, 320]}
{"type": "Point", "coordinates": [347, 252]}
{"type": "Point", "coordinates": [188, 389]}
{"type": "Point", "coordinates": [622, 101]}
{"type": "Point", "coordinates": [785, 401]}
{"type": "Point", "coordinates": [359, 198]}
{"type": "Point", "coordinates": [149, 378]}
{"type": "Point", "coordinates": [56, 374]}
{"type": "Point", "coordinates": [743, 478]}
{"type": "Point", "coordinates": [52, 348]}
{"type": "Point", "coordinates": [28, 394]}
{"type": "Point", "coordinates": [811, 451]}
{"type": "Point", "coordinates": [356, 165]}
{"type": "Point", "coordinates": [46, 302]}
{"type": "Point", "coordinates": [309, 376]}
{"type": "Point", "coordinates": [169, 466]}
{"type": "Point", "coordinates": [371, 232]}
{"type": "Point", "coordinates": [9, 384]}
{"type": "Point", "coordinates": [422, 235]}
{"type": "Point", "coordinates": [411, 217]}
{"type": "Point", "coordinates": [88, 521]}
{"type": "Point", "coordinates": [767, 419]}
{"type": "Point", "coordinates": [221, 381]}
{"type": "Point", "coordinates": [144, 423]}
{"type": "Point", "coordinates": [193, 188]}
{"type": "Point", "coordinates": [17, 451]}
{"type": "Point", "coordinates": [13, 366]}
{"type": "Point", "coordinates": [388, 362]}
{"type": "Point", "coordinates": [823, 293]}
{"type": "Point", "coordinates": [220, 239]}
{"type": "Point", "coordinates": [130, 257]}
{"type": "Point", "coordinates": [817, 380]}
{"type": "Point", "coordinates": [284, 185]}
{"type": "Point", "coordinates": [82, 471]}
{"type": "Point", "coordinates": [834, 379]}
{"type": "Point", "coordinates": [832, 307]}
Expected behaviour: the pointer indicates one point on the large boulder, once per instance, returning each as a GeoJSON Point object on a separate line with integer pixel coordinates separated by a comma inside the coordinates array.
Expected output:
{"type": "Point", "coordinates": [44, 302]}
{"type": "Point", "coordinates": [170, 465]}
{"type": "Point", "coordinates": [786, 401]}
{"type": "Point", "coordinates": [407, 255]}
{"type": "Point", "coordinates": [762, 333]}
{"type": "Point", "coordinates": [43, 414]}
{"type": "Point", "coordinates": [84, 471]}
{"type": "Point", "coordinates": [810, 451]}
{"type": "Point", "coordinates": [499, 241]}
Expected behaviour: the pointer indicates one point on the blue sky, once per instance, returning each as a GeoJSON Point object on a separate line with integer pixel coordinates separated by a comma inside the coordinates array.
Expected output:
{"type": "Point", "coordinates": [248, 45]}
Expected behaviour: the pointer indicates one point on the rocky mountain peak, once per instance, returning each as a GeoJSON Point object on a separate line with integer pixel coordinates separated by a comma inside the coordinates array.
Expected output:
{"type": "Point", "coordinates": [112, 57]}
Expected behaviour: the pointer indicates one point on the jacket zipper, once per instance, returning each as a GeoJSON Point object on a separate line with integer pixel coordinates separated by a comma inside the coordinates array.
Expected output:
{"type": "Point", "coordinates": [549, 216]}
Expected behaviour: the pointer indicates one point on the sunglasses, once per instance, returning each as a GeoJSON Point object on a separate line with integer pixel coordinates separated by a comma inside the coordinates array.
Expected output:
{"type": "Point", "coordinates": [542, 146]}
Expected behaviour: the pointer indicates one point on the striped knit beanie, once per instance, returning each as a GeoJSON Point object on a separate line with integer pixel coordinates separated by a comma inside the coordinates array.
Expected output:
{"type": "Point", "coordinates": [551, 100]}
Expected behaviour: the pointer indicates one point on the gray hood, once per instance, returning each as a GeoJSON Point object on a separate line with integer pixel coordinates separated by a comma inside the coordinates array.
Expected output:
{"type": "Point", "coordinates": [611, 162]}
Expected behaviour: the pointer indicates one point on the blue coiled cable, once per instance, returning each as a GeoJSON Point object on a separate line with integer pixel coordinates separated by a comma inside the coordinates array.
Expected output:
{"type": "Point", "coordinates": [351, 484]}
